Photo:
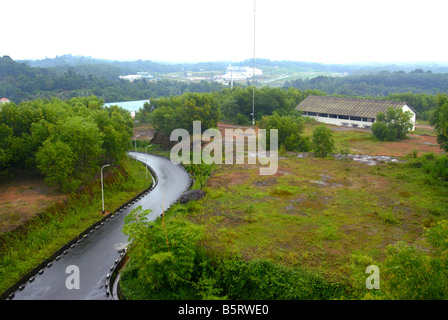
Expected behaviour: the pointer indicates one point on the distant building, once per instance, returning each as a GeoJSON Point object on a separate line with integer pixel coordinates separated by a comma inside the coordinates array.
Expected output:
{"type": "Point", "coordinates": [2, 101]}
{"type": "Point", "coordinates": [349, 112]}
{"type": "Point", "coordinates": [139, 75]}
{"type": "Point", "coordinates": [240, 73]}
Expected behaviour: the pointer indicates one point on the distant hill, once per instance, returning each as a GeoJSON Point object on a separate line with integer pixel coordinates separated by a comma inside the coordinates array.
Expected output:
{"type": "Point", "coordinates": [112, 69]}
{"type": "Point", "coordinates": [80, 77]}
{"type": "Point", "coordinates": [100, 67]}
{"type": "Point", "coordinates": [73, 76]}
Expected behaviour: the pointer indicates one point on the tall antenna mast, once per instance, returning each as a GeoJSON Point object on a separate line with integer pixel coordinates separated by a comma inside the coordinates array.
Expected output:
{"type": "Point", "coordinates": [253, 76]}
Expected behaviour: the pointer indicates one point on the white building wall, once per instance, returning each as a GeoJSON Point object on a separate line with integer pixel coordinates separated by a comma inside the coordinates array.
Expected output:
{"type": "Point", "coordinates": [343, 122]}
{"type": "Point", "coordinates": [357, 123]}
{"type": "Point", "coordinates": [406, 108]}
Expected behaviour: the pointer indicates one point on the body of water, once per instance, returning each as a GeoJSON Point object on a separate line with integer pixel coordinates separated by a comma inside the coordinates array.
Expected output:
{"type": "Point", "coordinates": [131, 106]}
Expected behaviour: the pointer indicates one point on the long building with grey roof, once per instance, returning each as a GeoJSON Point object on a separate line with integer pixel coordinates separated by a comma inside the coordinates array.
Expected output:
{"type": "Point", "coordinates": [349, 112]}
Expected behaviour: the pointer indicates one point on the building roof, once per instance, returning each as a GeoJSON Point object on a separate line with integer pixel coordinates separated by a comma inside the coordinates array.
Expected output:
{"type": "Point", "coordinates": [367, 108]}
{"type": "Point", "coordinates": [4, 100]}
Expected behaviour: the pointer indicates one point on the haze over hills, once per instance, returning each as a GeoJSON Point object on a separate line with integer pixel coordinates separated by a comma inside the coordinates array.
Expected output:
{"type": "Point", "coordinates": [70, 76]}
{"type": "Point", "coordinates": [113, 68]}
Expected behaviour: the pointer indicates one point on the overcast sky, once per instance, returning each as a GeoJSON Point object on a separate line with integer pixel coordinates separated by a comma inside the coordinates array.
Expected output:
{"type": "Point", "coordinates": [327, 31]}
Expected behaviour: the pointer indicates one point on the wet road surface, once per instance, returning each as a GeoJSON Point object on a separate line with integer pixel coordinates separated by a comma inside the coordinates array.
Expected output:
{"type": "Point", "coordinates": [95, 254]}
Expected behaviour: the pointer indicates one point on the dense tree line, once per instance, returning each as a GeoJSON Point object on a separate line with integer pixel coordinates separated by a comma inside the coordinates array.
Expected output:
{"type": "Point", "coordinates": [20, 82]}
{"type": "Point", "coordinates": [377, 84]}
{"type": "Point", "coordinates": [112, 69]}
{"type": "Point", "coordinates": [440, 121]}
{"type": "Point", "coordinates": [237, 103]}
{"type": "Point", "coordinates": [167, 114]}
{"type": "Point", "coordinates": [66, 140]}
{"type": "Point", "coordinates": [102, 68]}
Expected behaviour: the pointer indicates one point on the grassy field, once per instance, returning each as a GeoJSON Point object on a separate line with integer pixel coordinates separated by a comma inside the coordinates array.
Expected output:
{"type": "Point", "coordinates": [271, 76]}
{"type": "Point", "coordinates": [361, 141]}
{"type": "Point", "coordinates": [21, 251]}
{"type": "Point", "coordinates": [315, 213]}
{"type": "Point", "coordinates": [323, 215]}
{"type": "Point", "coordinates": [318, 212]}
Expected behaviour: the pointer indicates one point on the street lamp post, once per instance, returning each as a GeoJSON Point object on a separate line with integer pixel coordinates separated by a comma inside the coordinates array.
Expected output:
{"type": "Point", "coordinates": [146, 150]}
{"type": "Point", "coordinates": [102, 191]}
{"type": "Point", "coordinates": [135, 142]}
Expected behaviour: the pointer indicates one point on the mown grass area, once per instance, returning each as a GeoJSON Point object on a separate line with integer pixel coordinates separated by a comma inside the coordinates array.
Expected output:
{"type": "Point", "coordinates": [24, 249]}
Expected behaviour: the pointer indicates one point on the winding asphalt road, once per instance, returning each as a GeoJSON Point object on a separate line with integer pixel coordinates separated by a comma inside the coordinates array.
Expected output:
{"type": "Point", "coordinates": [97, 252]}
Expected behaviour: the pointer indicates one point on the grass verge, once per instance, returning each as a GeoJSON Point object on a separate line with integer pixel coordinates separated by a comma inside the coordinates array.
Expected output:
{"type": "Point", "coordinates": [24, 248]}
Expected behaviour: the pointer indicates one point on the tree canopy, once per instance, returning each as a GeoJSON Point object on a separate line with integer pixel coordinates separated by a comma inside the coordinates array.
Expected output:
{"type": "Point", "coordinates": [179, 112]}
{"type": "Point", "coordinates": [440, 120]}
{"type": "Point", "coordinates": [392, 125]}
{"type": "Point", "coordinates": [66, 140]}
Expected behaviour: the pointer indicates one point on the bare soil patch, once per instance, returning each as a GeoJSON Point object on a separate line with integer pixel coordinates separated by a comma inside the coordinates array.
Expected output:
{"type": "Point", "coordinates": [421, 143]}
{"type": "Point", "coordinates": [144, 132]}
{"type": "Point", "coordinates": [22, 196]}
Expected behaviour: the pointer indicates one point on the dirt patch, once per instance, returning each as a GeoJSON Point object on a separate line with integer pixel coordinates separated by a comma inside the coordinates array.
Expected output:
{"type": "Point", "coordinates": [264, 183]}
{"type": "Point", "coordinates": [144, 132]}
{"type": "Point", "coordinates": [232, 178]}
{"type": "Point", "coordinates": [22, 196]}
{"type": "Point", "coordinates": [421, 143]}
{"type": "Point", "coordinates": [377, 182]}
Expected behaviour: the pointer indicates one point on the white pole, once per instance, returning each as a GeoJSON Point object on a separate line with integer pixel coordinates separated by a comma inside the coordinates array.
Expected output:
{"type": "Point", "coordinates": [102, 189]}
{"type": "Point", "coordinates": [253, 76]}
{"type": "Point", "coordinates": [135, 142]}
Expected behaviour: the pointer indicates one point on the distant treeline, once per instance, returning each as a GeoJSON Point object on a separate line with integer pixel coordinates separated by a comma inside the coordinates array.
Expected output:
{"type": "Point", "coordinates": [112, 69]}
{"type": "Point", "coordinates": [377, 84]}
{"type": "Point", "coordinates": [20, 82]}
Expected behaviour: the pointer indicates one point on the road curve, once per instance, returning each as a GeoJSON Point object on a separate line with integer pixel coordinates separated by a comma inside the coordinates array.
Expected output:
{"type": "Point", "coordinates": [98, 252]}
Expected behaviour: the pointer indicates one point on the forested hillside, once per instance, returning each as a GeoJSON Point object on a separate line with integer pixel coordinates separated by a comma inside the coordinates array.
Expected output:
{"type": "Point", "coordinates": [20, 82]}
{"type": "Point", "coordinates": [67, 77]}
{"type": "Point", "coordinates": [378, 84]}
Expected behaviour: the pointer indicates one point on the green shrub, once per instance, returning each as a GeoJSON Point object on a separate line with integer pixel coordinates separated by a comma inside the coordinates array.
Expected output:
{"type": "Point", "coordinates": [264, 280]}
{"type": "Point", "coordinates": [290, 129]}
{"type": "Point", "coordinates": [392, 125]}
{"type": "Point", "coordinates": [163, 251]}
{"type": "Point", "coordinates": [438, 168]}
{"type": "Point", "coordinates": [242, 119]}
{"type": "Point", "coordinates": [382, 132]}
{"type": "Point", "coordinates": [411, 274]}
{"type": "Point", "coordinates": [323, 143]}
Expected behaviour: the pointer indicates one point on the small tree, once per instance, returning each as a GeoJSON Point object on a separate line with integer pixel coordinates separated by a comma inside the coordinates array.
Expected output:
{"type": "Point", "coordinates": [393, 125]}
{"type": "Point", "coordinates": [440, 120]}
{"type": "Point", "coordinates": [164, 254]}
{"type": "Point", "coordinates": [200, 172]}
{"type": "Point", "coordinates": [290, 129]}
{"type": "Point", "coordinates": [323, 143]}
